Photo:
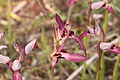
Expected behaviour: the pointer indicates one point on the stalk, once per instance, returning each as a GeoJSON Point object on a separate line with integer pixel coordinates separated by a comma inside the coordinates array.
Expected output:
{"type": "Point", "coordinates": [115, 73]}
{"type": "Point", "coordinates": [9, 27]}
{"type": "Point", "coordinates": [100, 69]}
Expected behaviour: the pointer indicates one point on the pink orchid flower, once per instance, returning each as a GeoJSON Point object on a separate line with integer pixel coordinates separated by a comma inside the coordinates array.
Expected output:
{"type": "Point", "coordinates": [110, 47]}
{"type": "Point", "coordinates": [24, 51]}
{"type": "Point", "coordinates": [102, 4]}
{"type": "Point", "coordinates": [62, 32]}
{"type": "Point", "coordinates": [68, 56]}
{"type": "Point", "coordinates": [96, 31]}
{"type": "Point", "coordinates": [13, 66]}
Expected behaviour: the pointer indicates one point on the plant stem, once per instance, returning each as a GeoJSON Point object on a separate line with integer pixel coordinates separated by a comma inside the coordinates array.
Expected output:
{"type": "Point", "coordinates": [115, 73]}
{"type": "Point", "coordinates": [52, 73]}
{"type": "Point", "coordinates": [9, 28]}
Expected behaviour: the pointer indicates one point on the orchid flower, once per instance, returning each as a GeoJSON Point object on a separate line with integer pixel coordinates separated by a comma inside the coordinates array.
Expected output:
{"type": "Point", "coordinates": [110, 47]}
{"type": "Point", "coordinates": [13, 66]}
{"type": "Point", "coordinates": [62, 32]}
{"type": "Point", "coordinates": [68, 56]}
{"type": "Point", "coordinates": [102, 4]}
{"type": "Point", "coordinates": [96, 31]}
{"type": "Point", "coordinates": [71, 3]}
{"type": "Point", "coordinates": [24, 51]}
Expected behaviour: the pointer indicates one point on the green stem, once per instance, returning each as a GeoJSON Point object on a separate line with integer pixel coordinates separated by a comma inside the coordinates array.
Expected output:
{"type": "Point", "coordinates": [9, 27]}
{"type": "Point", "coordinates": [52, 73]}
{"type": "Point", "coordinates": [115, 73]}
{"type": "Point", "coordinates": [85, 68]}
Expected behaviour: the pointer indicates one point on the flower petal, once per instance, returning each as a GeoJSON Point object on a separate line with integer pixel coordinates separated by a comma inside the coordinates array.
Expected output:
{"type": "Point", "coordinates": [97, 5]}
{"type": "Point", "coordinates": [110, 9]}
{"type": "Point", "coordinates": [74, 57]}
{"type": "Point", "coordinates": [97, 16]}
{"type": "Point", "coordinates": [30, 46]}
{"type": "Point", "coordinates": [3, 47]}
{"type": "Point", "coordinates": [54, 61]}
{"type": "Point", "coordinates": [60, 22]}
{"type": "Point", "coordinates": [17, 75]}
{"type": "Point", "coordinates": [4, 59]}
{"type": "Point", "coordinates": [16, 65]}
{"type": "Point", "coordinates": [99, 31]}
{"type": "Point", "coordinates": [71, 2]}
{"type": "Point", "coordinates": [105, 46]}
{"type": "Point", "coordinates": [79, 42]}
{"type": "Point", "coordinates": [84, 34]}
{"type": "Point", "coordinates": [115, 49]}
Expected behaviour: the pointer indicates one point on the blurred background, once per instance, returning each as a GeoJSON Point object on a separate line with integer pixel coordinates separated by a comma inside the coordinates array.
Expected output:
{"type": "Point", "coordinates": [24, 20]}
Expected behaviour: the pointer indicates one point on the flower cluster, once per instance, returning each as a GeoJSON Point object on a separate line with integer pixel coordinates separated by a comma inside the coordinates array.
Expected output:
{"type": "Point", "coordinates": [15, 65]}
{"type": "Point", "coordinates": [62, 32]}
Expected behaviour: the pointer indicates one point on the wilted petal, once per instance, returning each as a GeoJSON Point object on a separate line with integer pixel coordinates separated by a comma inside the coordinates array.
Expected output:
{"type": "Point", "coordinates": [74, 57]}
{"type": "Point", "coordinates": [30, 46]}
{"type": "Point", "coordinates": [3, 47]}
{"type": "Point", "coordinates": [105, 46]}
{"type": "Point", "coordinates": [60, 22]}
{"type": "Point", "coordinates": [71, 2]}
{"type": "Point", "coordinates": [4, 59]}
{"type": "Point", "coordinates": [16, 65]}
{"type": "Point", "coordinates": [97, 16]}
{"type": "Point", "coordinates": [1, 35]}
{"type": "Point", "coordinates": [97, 5]}
{"type": "Point", "coordinates": [17, 75]}
{"type": "Point", "coordinates": [54, 61]}
{"type": "Point", "coordinates": [110, 9]}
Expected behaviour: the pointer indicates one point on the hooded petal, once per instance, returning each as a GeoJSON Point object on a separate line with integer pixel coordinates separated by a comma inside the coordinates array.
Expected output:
{"type": "Point", "coordinates": [99, 31]}
{"type": "Point", "coordinates": [105, 46]}
{"type": "Point", "coordinates": [16, 65]}
{"type": "Point", "coordinates": [71, 2]}
{"type": "Point", "coordinates": [97, 5]}
{"type": "Point", "coordinates": [3, 47]}
{"type": "Point", "coordinates": [1, 35]}
{"type": "Point", "coordinates": [30, 46]}
{"type": "Point", "coordinates": [4, 59]}
{"type": "Point", "coordinates": [54, 61]}
{"type": "Point", "coordinates": [17, 75]}
{"type": "Point", "coordinates": [74, 57]}
{"type": "Point", "coordinates": [60, 22]}
{"type": "Point", "coordinates": [110, 9]}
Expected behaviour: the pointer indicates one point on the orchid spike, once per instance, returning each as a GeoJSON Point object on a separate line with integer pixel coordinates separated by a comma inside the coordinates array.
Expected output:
{"type": "Point", "coordinates": [110, 9]}
{"type": "Point", "coordinates": [71, 3]}
{"type": "Point", "coordinates": [110, 47]}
